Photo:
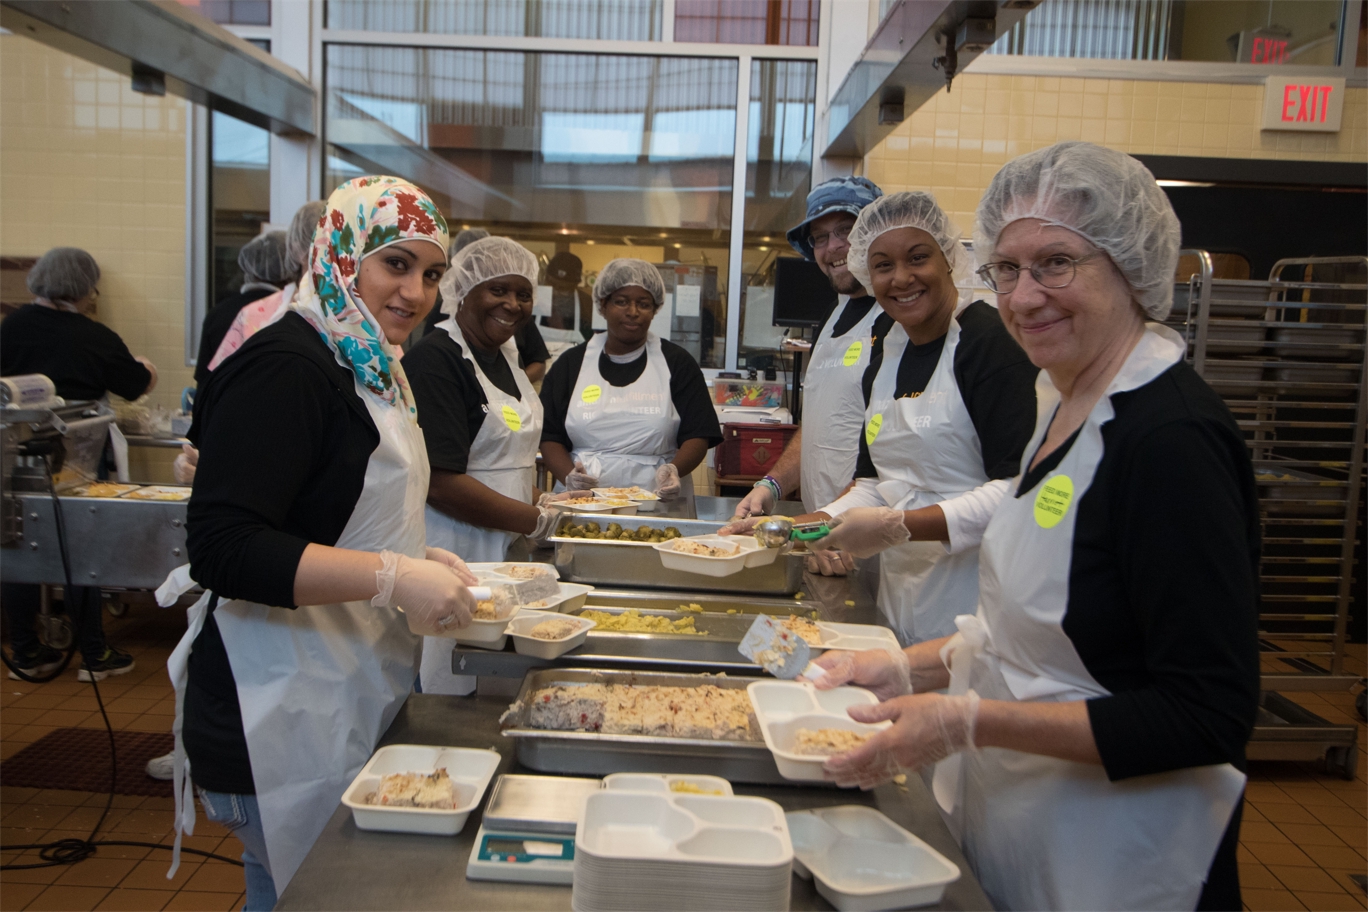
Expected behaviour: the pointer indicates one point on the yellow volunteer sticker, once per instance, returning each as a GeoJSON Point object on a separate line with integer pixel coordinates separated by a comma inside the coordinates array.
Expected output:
{"type": "Point", "coordinates": [1053, 501]}
{"type": "Point", "coordinates": [872, 428]}
{"type": "Point", "coordinates": [591, 393]}
{"type": "Point", "coordinates": [852, 355]}
{"type": "Point", "coordinates": [511, 418]}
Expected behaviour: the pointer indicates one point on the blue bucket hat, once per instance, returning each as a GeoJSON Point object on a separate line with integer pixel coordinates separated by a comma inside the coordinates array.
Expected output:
{"type": "Point", "coordinates": [840, 194]}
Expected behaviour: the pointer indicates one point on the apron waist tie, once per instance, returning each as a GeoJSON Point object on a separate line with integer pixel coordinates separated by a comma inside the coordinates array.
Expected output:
{"type": "Point", "coordinates": [958, 655]}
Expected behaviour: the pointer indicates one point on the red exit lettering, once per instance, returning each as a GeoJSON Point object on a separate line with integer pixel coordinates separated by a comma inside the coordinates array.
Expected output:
{"type": "Point", "coordinates": [1302, 103]}
{"type": "Point", "coordinates": [1266, 50]}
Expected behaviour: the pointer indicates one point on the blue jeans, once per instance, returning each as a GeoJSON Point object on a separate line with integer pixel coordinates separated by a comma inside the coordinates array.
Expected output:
{"type": "Point", "coordinates": [240, 814]}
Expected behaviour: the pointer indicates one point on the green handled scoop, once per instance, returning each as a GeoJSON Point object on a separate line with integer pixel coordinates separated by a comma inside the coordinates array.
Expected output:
{"type": "Point", "coordinates": [778, 531]}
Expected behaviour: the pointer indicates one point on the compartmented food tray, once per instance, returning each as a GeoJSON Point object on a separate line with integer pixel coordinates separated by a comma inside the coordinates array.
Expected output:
{"type": "Point", "coordinates": [668, 783]}
{"type": "Point", "coordinates": [595, 753]}
{"type": "Point", "coordinates": [783, 708]}
{"type": "Point", "coordinates": [470, 770]}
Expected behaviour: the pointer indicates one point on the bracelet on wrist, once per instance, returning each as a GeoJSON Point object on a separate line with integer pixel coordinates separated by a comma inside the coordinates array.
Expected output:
{"type": "Point", "coordinates": [772, 483]}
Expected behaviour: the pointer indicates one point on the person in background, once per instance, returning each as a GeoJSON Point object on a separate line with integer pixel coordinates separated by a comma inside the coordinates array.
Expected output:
{"type": "Point", "coordinates": [627, 408]}
{"type": "Point", "coordinates": [820, 459]}
{"type": "Point", "coordinates": [298, 657]}
{"type": "Point", "coordinates": [1092, 740]}
{"type": "Point", "coordinates": [481, 421]}
{"type": "Point", "coordinates": [266, 269]}
{"type": "Point", "coordinates": [55, 336]}
{"type": "Point", "coordinates": [572, 305]}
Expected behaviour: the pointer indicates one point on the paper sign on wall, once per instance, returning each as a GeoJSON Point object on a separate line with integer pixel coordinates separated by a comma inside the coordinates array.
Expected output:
{"type": "Point", "coordinates": [541, 301]}
{"type": "Point", "coordinates": [1306, 103]}
{"type": "Point", "coordinates": [664, 317]}
{"type": "Point", "coordinates": [686, 300]}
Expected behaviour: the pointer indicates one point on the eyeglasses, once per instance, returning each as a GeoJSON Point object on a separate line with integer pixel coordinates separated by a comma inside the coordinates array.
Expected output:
{"type": "Point", "coordinates": [1054, 271]}
{"type": "Point", "coordinates": [821, 240]}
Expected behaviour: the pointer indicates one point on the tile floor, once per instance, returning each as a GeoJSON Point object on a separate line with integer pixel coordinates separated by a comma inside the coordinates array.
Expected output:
{"type": "Point", "coordinates": [1305, 833]}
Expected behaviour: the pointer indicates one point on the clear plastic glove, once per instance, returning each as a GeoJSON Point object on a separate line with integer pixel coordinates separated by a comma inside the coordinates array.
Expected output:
{"type": "Point", "coordinates": [864, 532]}
{"type": "Point", "coordinates": [184, 466]}
{"type": "Point", "coordinates": [759, 502]}
{"type": "Point", "coordinates": [443, 556]}
{"type": "Point", "coordinates": [926, 729]}
{"type": "Point", "coordinates": [883, 673]}
{"type": "Point", "coordinates": [667, 481]}
{"type": "Point", "coordinates": [580, 480]}
{"type": "Point", "coordinates": [432, 594]}
{"type": "Point", "coordinates": [742, 526]}
{"type": "Point", "coordinates": [828, 562]}
{"type": "Point", "coordinates": [546, 521]}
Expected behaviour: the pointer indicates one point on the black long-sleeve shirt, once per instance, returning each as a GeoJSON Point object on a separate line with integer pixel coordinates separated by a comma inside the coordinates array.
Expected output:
{"type": "Point", "coordinates": [284, 443]}
{"type": "Point", "coordinates": [82, 358]}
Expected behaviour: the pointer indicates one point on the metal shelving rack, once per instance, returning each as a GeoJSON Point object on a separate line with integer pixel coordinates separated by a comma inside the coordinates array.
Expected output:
{"type": "Point", "coordinates": [1288, 356]}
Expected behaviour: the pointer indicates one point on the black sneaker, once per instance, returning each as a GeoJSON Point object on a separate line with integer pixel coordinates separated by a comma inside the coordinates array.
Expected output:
{"type": "Point", "coordinates": [41, 661]}
{"type": "Point", "coordinates": [113, 662]}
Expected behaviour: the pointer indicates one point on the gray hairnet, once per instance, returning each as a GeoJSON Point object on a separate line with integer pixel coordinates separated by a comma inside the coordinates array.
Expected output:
{"type": "Point", "coordinates": [624, 271]}
{"type": "Point", "coordinates": [1102, 195]}
{"type": "Point", "coordinates": [263, 259]}
{"type": "Point", "coordinates": [299, 239]}
{"type": "Point", "coordinates": [64, 274]}
{"type": "Point", "coordinates": [911, 209]}
{"type": "Point", "coordinates": [464, 239]}
{"type": "Point", "coordinates": [485, 259]}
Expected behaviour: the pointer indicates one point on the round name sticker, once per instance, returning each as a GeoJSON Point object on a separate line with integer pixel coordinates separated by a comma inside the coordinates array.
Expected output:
{"type": "Point", "coordinates": [852, 355]}
{"type": "Point", "coordinates": [872, 428]}
{"type": "Point", "coordinates": [591, 393]}
{"type": "Point", "coordinates": [1053, 501]}
{"type": "Point", "coordinates": [511, 418]}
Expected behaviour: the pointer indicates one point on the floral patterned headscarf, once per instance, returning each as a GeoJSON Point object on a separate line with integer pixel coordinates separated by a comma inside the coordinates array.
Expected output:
{"type": "Point", "coordinates": [364, 215]}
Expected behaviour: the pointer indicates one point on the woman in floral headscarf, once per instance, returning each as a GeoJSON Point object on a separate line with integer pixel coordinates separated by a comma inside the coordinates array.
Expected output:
{"type": "Point", "coordinates": [306, 531]}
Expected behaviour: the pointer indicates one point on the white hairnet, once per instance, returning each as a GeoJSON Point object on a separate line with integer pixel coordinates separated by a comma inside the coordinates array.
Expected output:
{"type": "Point", "coordinates": [912, 209]}
{"type": "Point", "coordinates": [467, 237]}
{"type": "Point", "coordinates": [1100, 194]}
{"type": "Point", "coordinates": [262, 259]}
{"type": "Point", "coordinates": [487, 258]}
{"type": "Point", "coordinates": [63, 274]}
{"type": "Point", "coordinates": [299, 239]}
{"type": "Point", "coordinates": [624, 271]}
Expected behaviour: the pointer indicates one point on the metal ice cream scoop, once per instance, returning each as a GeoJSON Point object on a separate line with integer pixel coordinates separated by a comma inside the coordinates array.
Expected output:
{"type": "Point", "coordinates": [778, 531]}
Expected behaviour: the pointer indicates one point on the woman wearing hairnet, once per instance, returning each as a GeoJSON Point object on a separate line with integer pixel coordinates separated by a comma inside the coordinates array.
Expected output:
{"type": "Point", "coordinates": [950, 400]}
{"type": "Point", "coordinates": [627, 408]}
{"type": "Point", "coordinates": [266, 268]}
{"type": "Point", "coordinates": [481, 419]}
{"type": "Point", "coordinates": [1099, 701]}
{"type": "Point", "coordinates": [297, 657]}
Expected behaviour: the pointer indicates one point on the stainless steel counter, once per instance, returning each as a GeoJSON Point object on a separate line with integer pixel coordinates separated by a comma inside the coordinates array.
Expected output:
{"type": "Point", "coordinates": [354, 869]}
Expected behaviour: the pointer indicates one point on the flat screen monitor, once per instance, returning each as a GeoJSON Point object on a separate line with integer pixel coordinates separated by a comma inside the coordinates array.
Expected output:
{"type": "Point", "coordinates": [802, 294]}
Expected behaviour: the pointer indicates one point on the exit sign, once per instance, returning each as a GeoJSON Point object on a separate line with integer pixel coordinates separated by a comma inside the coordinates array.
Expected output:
{"type": "Point", "coordinates": [1306, 103]}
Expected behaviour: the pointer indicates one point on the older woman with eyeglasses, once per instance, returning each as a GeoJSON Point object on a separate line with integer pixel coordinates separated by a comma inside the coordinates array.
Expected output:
{"type": "Point", "coordinates": [627, 408]}
{"type": "Point", "coordinates": [1092, 737]}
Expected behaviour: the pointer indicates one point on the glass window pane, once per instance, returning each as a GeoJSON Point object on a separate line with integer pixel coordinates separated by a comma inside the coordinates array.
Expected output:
{"type": "Point", "coordinates": [621, 20]}
{"type": "Point", "coordinates": [233, 12]}
{"type": "Point", "coordinates": [578, 155]}
{"type": "Point", "coordinates": [788, 22]}
{"type": "Point", "coordinates": [240, 197]}
{"type": "Point", "coordinates": [1304, 32]}
{"type": "Point", "coordinates": [778, 177]}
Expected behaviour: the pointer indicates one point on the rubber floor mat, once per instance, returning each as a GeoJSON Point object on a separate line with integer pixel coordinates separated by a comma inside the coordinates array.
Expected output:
{"type": "Point", "coordinates": [78, 759]}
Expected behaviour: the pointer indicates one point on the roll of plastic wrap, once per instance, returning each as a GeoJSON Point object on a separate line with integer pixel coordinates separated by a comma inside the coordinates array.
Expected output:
{"type": "Point", "coordinates": [26, 391]}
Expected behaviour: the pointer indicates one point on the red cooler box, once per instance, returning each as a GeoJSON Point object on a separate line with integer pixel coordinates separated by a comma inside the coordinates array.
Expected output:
{"type": "Point", "coordinates": [751, 449]}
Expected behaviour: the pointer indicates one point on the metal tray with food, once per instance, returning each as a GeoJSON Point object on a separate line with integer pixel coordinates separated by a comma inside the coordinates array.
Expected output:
{"type": "Point", "coordinates": [159, 492]}
{"type": "Point", "coordinates": [595, 753]}
{"type": "Point", "coordinates": [1290, 492]}
{"type": "Point", "coordinates": [633, 562]}
{"type": "Point", "coordinates": [709, 603]}
{"type": "Point", "coordinates": [102, 489]}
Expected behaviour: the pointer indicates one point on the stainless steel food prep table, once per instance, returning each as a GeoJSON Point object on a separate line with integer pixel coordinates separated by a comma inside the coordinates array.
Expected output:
{"type": "Point", "coordinates": [355, 869]}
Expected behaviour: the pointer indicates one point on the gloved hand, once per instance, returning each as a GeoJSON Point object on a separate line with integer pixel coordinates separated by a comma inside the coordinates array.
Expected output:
{"type": "Point", "coordinates": [759, 502]}
{"type": "Point", "coordinates": [829, 563]}
{"type": "Point", "coordinates": [667, 481]}
{"type": "Point", "coordinates": [883, 673]}
{"type": "Point", "coordinates": [443, 556]}
{"type": "Point", "coordinates": [926, 729]}
{"type": "Point", "coordinates": [742, 525]}
{"type": "Point", "coordinates": [432, 595]}
{"type": "Point", "coordinates": [184, 466]}
{"type": "Point", "coordinates": [864, 532]}
{"type": "Point", "coordinates": [580, 480]}
{"type": "Point", "coordinates": [546, 517]}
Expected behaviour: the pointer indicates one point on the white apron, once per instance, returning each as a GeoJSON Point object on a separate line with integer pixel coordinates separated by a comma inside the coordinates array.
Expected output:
{"type": "Point", "coordinates": [623, 434]}
{"type": "Point", "coordinates": [833, 405]}
{"type": "Point", "coordinates": [319, 684]}
{"type": "Point", "coordinates": [503, 457]}
{"type": "Point", "coordinates": [1044, 833]}
{"type": "Point", "coordinates": [926, 450]}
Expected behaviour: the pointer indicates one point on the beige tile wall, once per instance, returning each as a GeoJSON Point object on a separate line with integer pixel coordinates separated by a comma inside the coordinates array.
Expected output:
{"type": "Point", "coordinates": [87, 162]}
{"type": "Point", "coordinates": [956, 142]}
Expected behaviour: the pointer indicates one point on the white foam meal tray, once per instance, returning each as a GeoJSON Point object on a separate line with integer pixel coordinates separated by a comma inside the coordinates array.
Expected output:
{"type": "Point", "coordinates": [741, 547]}
{"type": "Point", "coordinates": [645, 500]}
{"type": "Point", "coordinates": [596, 504]}
{"type": "Point", "coordinates": [520, 629]}
{"type": "Point", "coordinates": [470, 770]}
{"type": "Point", "coordinates": [784, 707]}
{"type": "Point", "coordinates": [856, 637]}
{"type": "Point", "coordinates": [667, 783]}
{"type": "Point", "coordinates": [486, 632]}
{"type": "Point", "coordinates": [863, 862]}
{"type": "Point", "coordinates": [721, 830]}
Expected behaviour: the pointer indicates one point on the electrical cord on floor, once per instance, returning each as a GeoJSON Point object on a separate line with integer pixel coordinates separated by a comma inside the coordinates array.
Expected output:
{"type": "Point", "coordinates": [71, 851]}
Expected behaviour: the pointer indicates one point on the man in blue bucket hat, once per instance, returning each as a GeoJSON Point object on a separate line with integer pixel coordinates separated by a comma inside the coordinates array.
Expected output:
{"type": "Point", "coordinates": [821, 456]}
